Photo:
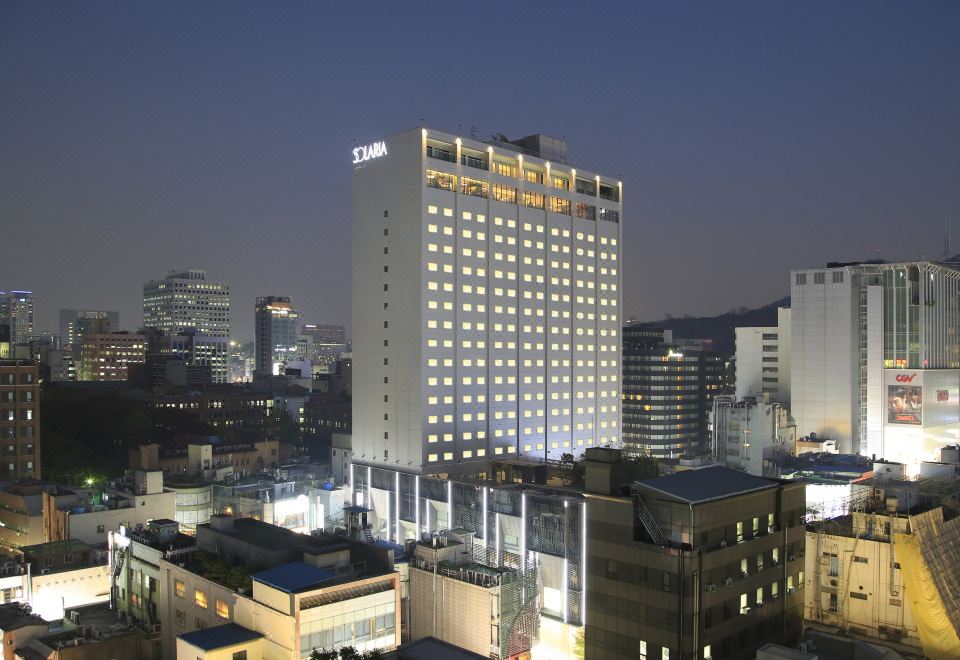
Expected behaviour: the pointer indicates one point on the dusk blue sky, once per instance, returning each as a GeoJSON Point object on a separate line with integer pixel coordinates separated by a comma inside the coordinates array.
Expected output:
{"type": "Point", "coordinates": [751, 137]}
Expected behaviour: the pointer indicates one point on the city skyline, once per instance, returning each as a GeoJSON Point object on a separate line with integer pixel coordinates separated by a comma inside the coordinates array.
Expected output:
{"type": "Point", "coordinates": [776, 133]}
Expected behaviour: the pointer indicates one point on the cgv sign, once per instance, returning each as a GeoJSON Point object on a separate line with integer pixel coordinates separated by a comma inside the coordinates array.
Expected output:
{"type": "Point", "coordinates": [369, 152]}
{"type": "Point", "coordinates": [904, 378]}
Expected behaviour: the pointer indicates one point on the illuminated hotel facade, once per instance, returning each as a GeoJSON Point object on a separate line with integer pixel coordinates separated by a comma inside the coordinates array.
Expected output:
{"type": "Point", "coordinates": [875, 353]}
{"type": "Point", "coordinates": [486, 338]}
{"type": "Point", "coordinates": [486, 314]}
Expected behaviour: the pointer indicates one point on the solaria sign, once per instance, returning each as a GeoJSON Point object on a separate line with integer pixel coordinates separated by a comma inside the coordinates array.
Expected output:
{"type": "Point", "coordinates": [369, 152]}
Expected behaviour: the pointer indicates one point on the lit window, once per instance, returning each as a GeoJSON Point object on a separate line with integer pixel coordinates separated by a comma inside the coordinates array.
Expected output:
{"type": "Point", "coordinates": [200, 598]}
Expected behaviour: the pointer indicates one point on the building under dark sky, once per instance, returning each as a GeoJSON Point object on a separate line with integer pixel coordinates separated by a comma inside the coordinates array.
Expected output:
{"type": "Point", "coordinates": [668, 389]}
{"type": "Point", "coordinates": [752, 137]}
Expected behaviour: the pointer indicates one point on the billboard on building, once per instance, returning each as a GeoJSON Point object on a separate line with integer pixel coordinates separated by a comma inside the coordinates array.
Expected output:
{"type": "Point", "coordinates": [905, 404]}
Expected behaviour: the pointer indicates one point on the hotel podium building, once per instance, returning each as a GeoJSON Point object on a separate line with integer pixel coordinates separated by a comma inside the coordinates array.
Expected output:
{"type": "Point", "coordinates": [486, 314]}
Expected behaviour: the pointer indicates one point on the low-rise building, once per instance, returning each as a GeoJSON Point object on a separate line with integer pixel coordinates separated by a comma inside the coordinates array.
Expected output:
{"type": "Point", "coordinates": [311, 591]}
{"type": "Point", "coordinates": [137, 594]}
{"type": "Point", "coordinates": [469, 601]}
{"type": "Point", "coordinates": [699, 564]}
{"type": "Point", "coordinates": [17, 625]}
{"type": "Point", "coordinates": [131, 501]}
{"type": "Point", "coordinates": [887, 572]}
{"type": "Point", "coordinates": [86, 633]}
{"type": "Point", "coordinates": [249, 454]}
{"type": "Point", "coordinates": [751, 434]}
{"type": "Point", "coordinates": [65, 574]}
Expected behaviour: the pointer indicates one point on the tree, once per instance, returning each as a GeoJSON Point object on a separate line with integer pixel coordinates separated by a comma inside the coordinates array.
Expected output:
{"type": "Point", "coordinates": [323, 654]}
{"type": "Point", "coordinates": [648, 467]}
{"type": "Point", "coordinates": [349, 653]}
{"type": "Point", "coordinates": [579, 651]}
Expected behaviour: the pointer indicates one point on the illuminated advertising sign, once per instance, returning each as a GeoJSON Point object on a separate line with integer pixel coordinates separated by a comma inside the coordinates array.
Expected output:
{"type": "Point", "coordinates": [904, 404]}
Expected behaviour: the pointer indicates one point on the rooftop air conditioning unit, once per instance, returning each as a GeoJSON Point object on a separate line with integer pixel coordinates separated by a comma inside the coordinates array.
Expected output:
{"type": "Point", "coordinates": [723, 543]}
{"type": "Point", "coordinates": [728, 581]}
{"type": "Point", "coordinates": [710, 587]}
{"type": "Point", "coordinates": [791, 557]}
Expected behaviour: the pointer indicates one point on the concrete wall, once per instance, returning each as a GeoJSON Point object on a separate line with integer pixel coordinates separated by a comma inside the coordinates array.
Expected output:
{"type": "Point", "coordinates": [65, 589]}
{"type": "Point", "coordinates": [83, 526]}
{"type": "Point", "coordinates": [454, 611]}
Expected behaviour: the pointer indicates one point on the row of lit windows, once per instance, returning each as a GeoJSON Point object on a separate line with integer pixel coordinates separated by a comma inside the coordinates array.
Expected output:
{"type": "Point", "coordinates": [510, 223]}
{"type": "Point", "coordinates": [511, 414]}
{"type": "Point", "coordinates": [507, 194]}
{"type": "Point", "coordinates": [527, 295]}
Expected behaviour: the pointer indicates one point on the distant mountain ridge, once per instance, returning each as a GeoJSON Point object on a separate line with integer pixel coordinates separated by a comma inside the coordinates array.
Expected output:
{"type": "Point", "coordinates": [721, 328]}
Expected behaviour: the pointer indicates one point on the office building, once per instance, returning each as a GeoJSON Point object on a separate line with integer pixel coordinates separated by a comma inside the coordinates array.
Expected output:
{"type": "Point", "coordinates": [763, 360]}
{"type": "Point", "coordinates": [19, 419]}
{"type": "Point", "coordinates": [705, 563]}
{"type": "Point", "coordinates": [486, 297]}
{"type": "Point", "coordinates": [16, 311]}
{"type": "Point", "coordinates": [324, 344]}
{"type": "Point", "coordinates": [106, 357]}
{"type": "Point", "coordinates": [185, 301]}
{"type": "Point", "coordinates": [241, 361]}
{"type": "Point", "coordinates": [875, 352]}
{"type": "Point", "coordinates": [75, 323]}
{"type": "Point", "coordinates": [668, 390]}
{"type": "Point", "coordinates": [752, 434]}
{"type": "Point", "coordinates": [220, 406]}
{"type": "Point", "coordinates": [277, 328]}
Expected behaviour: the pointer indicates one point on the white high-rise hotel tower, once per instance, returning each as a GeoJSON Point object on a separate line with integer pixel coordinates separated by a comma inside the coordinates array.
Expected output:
{"type": "Point", "coordinates": [486, 303]}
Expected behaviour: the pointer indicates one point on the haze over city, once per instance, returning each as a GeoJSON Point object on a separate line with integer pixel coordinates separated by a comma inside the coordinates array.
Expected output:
{"type": "Point", "coordinates": [751, 137]}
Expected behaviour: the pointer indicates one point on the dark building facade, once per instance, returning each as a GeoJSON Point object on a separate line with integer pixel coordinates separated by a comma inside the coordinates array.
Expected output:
{"type": "Point", "coordinates": [701, 564]}
{"type": "Point", "coordinates": [668, 390]}
{"type": "Point", "coordinates": [19, 419]}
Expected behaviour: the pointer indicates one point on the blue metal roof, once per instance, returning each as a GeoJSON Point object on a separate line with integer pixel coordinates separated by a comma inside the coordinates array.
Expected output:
{"type": "Point", "coordinates": [294, 577]}
{"type": "Point", "coordinates": [218, 637]}
{"type": "Point", "coordinates": [707, 483]}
